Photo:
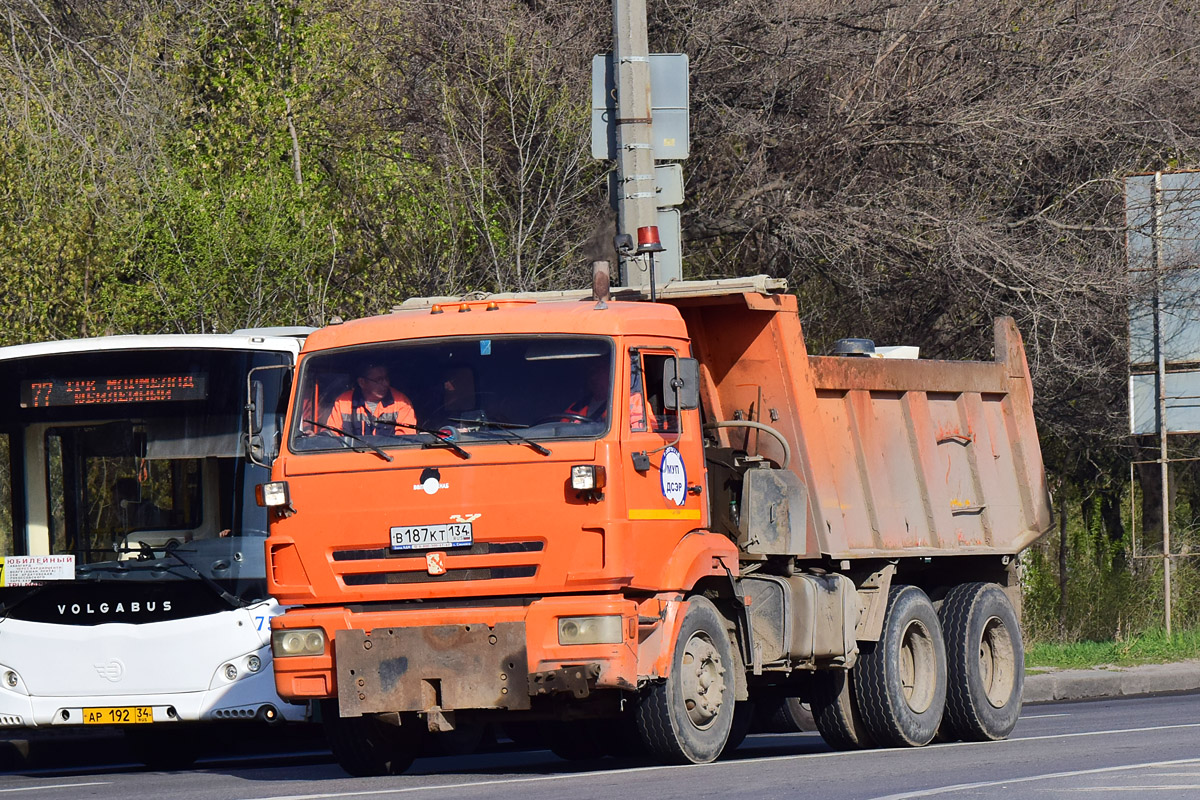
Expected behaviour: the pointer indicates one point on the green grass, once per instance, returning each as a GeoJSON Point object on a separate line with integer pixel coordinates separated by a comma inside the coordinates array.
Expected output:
{"type": "Point", "coordinates": [1152, 647]}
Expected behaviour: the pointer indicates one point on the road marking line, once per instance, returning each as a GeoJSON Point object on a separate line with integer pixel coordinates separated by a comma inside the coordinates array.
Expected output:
{"type": "Point", "coordinates": [1043, 716]}
{"type": "Point", "coordinates": [1134, 788]}
{"type": "Point", "coordinates": [1049, 776]}
{"type": "Point", "coordinates": [747, 762]}
{"type": "Point", "coordinates": [55, 786]}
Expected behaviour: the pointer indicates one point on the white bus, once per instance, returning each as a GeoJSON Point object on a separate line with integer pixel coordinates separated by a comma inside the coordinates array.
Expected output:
{"type": "Point", "coordinates": [132, 589]}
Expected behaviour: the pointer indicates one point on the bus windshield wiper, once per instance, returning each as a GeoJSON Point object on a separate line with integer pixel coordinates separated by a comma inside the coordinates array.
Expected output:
{"type": "Point", "coordinates": [443, 438]}
{"type": "Point", "coordinates": [376, 450]}
{"type": "Point", "coordinates": [233, 600]}
{"type": "Point", "coordinates": [508, 428]}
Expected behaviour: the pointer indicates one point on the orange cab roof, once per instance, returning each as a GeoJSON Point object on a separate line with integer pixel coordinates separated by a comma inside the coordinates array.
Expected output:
{"type": "Point", "coordinates": [508, 317]}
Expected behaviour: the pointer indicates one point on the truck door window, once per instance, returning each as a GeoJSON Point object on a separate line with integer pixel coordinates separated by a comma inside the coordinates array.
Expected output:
{"type": "Point", "coordinates": [647, 411]}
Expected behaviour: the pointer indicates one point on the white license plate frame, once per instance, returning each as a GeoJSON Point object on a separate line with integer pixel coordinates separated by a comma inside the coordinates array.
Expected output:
{"type": "Point", "coordinates": [432, 537]}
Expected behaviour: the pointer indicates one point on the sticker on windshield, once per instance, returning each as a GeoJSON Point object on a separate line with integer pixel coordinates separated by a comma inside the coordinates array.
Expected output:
{"type": "Point", "coordinates": [674, 476]}
{"type": "Point", "coordinates": [32, 570]}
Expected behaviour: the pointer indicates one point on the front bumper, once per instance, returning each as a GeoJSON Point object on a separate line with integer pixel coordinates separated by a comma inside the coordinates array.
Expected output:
{"type": "Point", "coordinates": [250, 697]}
{"type": "Point", "coordinates": [464, 658]}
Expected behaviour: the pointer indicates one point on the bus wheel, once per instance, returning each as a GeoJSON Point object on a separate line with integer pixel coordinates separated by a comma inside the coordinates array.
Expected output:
{"type": "Point", "coordinates": [835, 710]}
{"type": "Point", "coordinates": [901, 681]}
{"type": "Point", "coordinates": [367, 746]}
{"type": "Point", "coordinates": [986, 660]}
{"type": "Point", "coordinates": [687, 718]}
{"type": "Point", "coordinates": [164, 747]}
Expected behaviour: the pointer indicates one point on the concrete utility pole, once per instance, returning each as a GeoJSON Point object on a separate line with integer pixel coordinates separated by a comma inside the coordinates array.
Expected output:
{"type": "Point", "coordinates": [635, 154]}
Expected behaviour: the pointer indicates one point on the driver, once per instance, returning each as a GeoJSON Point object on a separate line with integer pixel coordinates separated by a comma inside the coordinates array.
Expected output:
{"type": "Point", "coordinates": [594, 403]}
{"type": "Point", "coordinates": [366, 409]}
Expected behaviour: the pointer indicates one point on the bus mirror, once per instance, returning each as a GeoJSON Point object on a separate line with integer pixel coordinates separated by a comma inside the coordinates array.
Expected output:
{"type": "Point", "coordinates": [681, 390]}
{"type": "Point", "coordinates": [254, 408]}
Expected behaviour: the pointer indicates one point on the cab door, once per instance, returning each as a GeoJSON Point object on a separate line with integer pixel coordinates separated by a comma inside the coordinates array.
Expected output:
{"type": "Point", "coordinates": [663, 459]}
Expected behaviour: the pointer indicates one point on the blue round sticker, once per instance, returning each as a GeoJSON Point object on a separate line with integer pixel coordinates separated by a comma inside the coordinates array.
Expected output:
{"type": "Point", "coordinates": [674, 476]}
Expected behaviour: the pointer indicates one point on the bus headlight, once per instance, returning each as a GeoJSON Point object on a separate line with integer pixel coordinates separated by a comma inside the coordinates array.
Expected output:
{"type": "Point", "coordinates": [298, 642]}
{"type": "Point", "coordinates": [590, 630]}
{"type": "Point", "coordinates": [253, 664]}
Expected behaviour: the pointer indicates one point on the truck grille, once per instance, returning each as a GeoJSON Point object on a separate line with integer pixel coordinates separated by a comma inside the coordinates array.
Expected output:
{"type": "Point", "coordinates": [485, 574]}
{"type": "Point", "coordinates": [408, 566]}
{"type": "Point", "coordinates": [477, 549]}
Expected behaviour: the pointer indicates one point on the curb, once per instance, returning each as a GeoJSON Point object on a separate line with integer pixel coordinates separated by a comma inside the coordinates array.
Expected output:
{"type": "Point", "coordinates": [1101, 682]}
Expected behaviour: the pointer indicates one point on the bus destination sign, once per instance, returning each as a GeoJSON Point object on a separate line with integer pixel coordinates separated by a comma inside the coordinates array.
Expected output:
{"type": "Point", "coordinates": [49, 392]}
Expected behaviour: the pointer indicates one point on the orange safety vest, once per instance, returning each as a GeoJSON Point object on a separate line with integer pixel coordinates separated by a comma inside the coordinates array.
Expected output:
{"type": "Point", "coordinates": [580, 408]}
{"type": "Point", "coordinates": [350, 413]}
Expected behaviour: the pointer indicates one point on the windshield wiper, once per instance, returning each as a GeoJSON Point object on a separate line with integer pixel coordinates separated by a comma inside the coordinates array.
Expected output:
{"type": "Point", "coordinates": [443, 438]}
{"type": "Point", "coordinates": [376, 450]}
{"type": "Point", "coordinates": [233, 600]}
{"type": "Point", "coordinates": [508, 428]}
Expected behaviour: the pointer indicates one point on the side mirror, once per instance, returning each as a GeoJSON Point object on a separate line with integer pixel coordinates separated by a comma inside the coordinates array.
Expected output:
{"type": "Point", "coordinates": [262, 415]}
{"type": "Point", "coordinates": [254, 408]}
{"type": "Point", "coordinates": [681, 390]}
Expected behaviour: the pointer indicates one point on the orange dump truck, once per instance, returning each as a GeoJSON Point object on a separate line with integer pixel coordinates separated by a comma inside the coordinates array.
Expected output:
{"type": "Point", "coordinates": [626, 523]}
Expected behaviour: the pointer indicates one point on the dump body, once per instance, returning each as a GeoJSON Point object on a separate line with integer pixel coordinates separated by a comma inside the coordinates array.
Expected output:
{"type": "Point", "coordinates": [900, 457]}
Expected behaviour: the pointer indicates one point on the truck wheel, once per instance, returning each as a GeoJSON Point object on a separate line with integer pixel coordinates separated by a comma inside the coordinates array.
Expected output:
{"type": "Point", "coordinates": [687, 718]}
{"type": "Point", "coordinates": [835, 710]}
{"type": "Point", "coordinates": [366, 746]}
{"type": "Point", "coordinates": [986, 663]}
{"type": "Point", "coordinates": [785, 715]}
{"type": "Point", "coordinates": [743, 720]}
{"type": "Point", "coordinates": [901, 681]}
{"type": "Point", "coordinates": [576, 740]}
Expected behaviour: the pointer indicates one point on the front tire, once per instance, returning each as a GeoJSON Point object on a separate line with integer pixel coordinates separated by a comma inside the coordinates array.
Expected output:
{"type": "Point", "coordinates": [368, 747]}
{"type": "Point", "coordinates": [687, 718]}
{"type": "Point", "coordinates": [901, 681]}
{"type": "Point", "coordinates": [986, 660]}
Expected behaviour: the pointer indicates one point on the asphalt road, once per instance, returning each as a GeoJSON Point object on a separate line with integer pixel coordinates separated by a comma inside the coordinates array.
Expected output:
{"type": "Point", "coordinates": [1143, 745]}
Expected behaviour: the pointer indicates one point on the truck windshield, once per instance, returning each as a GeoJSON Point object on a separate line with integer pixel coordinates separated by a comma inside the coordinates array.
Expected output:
{"type": "Point", "coordinates": [130, 466]}
{"type": "Point", "coordinates": [463, 391]}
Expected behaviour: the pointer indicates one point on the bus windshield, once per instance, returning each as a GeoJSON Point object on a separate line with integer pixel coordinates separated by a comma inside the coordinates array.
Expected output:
{"type": "Point", "coordinates": [131, 466]}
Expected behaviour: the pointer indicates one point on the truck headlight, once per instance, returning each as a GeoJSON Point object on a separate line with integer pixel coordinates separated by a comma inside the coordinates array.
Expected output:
{"type": "Point", "coordinates": [298, 642]}
{"type": "Point", "coordinates": [590, 630]}
{"type": "Point", "coordinates": [586, 477]}
{"type": "Point", "coordinates": [272, 494]}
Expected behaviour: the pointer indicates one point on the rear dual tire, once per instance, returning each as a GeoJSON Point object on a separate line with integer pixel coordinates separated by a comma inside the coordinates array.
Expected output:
{"type": "Point", "coordinates": [901, 679]}
{"type": "Point", "coordinates": [986, 660]}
